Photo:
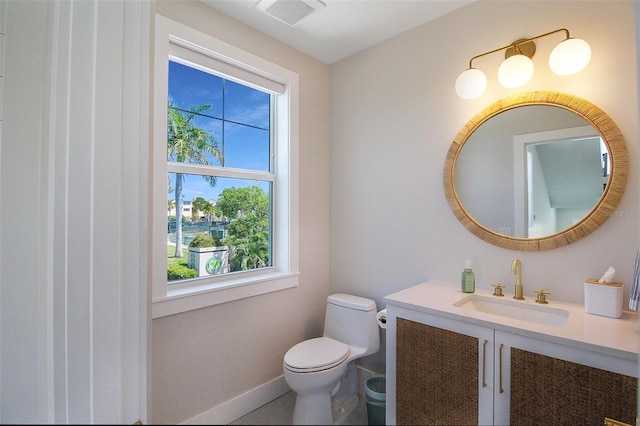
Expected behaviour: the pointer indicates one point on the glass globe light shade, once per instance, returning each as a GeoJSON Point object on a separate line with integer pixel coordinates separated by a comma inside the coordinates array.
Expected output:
{"type": "Point", "coordinates": [570, 56]}
{"type": "Point", "coordinates": [471, 83]}
{"type": "Point", "coordinates": [515, 71]}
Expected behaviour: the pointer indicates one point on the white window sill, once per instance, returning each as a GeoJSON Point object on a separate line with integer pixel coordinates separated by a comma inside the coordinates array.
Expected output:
{"type": "Point", "coordinates": [185, 298]}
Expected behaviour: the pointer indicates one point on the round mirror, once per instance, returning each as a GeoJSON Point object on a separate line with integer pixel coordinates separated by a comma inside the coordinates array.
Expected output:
{"type": "Point", "coordinates": [536, 171]}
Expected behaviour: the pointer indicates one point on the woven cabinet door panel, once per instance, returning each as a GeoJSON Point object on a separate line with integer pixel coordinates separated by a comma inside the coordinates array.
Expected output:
{"type": "Point", "coordinates": [437, 376]}
{"type": "Point", "coordinates": [550, 391]}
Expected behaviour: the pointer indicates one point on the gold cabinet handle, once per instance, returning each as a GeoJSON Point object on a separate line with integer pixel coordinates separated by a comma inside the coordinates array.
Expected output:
{"type": "Point", "coordinates": [612, 422]}
{"type": "Point", "coordinates": [484, 363]}
{"type": "Point", "coordinates": [500, 361]}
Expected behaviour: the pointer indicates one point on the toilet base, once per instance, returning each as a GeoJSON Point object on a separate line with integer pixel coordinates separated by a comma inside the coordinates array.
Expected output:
{"type": "Point", "coordinates": [345, 399]}
{"type": "Point", "coordinates": [313, 409]}
{"type": "Point", "coordinates": [317, 410]}
{"type": "Point", "coordinates": [341, 412]}
{"type": "Point", "coordinates": [328, 405]}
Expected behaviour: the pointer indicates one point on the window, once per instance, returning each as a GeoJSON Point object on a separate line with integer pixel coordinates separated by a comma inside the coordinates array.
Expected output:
{"type": "Point", "coordinates": [225, 164]}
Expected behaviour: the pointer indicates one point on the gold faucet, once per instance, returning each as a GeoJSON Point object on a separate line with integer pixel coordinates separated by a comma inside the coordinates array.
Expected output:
{"type": "Point", "coordinates": [516, 269]}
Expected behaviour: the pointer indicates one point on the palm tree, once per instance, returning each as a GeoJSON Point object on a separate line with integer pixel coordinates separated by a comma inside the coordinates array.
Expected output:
{"type": "Point", "coordinates": [188, 143]}
{"type": "Point", "coordinates": [249, 254]}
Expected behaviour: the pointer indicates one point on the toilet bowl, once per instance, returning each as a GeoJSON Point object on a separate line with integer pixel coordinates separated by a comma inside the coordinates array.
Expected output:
{"type": "Point", "coordinates": [321, 371]}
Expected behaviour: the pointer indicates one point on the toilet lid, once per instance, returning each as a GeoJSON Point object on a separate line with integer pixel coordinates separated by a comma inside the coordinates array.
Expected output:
{"type": "Point", "coordinates": [316, 354]}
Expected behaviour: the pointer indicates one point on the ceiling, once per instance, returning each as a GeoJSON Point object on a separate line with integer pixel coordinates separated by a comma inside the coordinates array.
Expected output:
{"type": "Point", "coordinates": [342, 27]}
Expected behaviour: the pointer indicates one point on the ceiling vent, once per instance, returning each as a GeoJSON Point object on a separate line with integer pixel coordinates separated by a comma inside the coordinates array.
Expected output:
{"type": "Point", "coordinates": [290, 11]}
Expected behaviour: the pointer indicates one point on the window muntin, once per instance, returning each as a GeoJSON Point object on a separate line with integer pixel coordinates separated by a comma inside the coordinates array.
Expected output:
{"type": "Point", "coordinates": [235, 135]}
{"type": "Point", "coordinates": [246, 147]}
{"type": "Point", "coordinates": [203, 52]}
{"type": "Point", "coordinates": [238, 117]}
{"type": "Point", "coordinates": [188, 94]}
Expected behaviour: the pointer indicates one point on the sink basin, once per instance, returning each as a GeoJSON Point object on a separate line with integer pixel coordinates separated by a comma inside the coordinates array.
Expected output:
{"type": "Point", "coordinates": [516, 309]}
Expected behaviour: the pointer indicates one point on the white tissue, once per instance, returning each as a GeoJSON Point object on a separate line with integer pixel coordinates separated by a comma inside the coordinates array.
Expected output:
{"type": "Point", "coordinates": [608, 276]}
{"type": "Point", "coordinates": [381, 317]}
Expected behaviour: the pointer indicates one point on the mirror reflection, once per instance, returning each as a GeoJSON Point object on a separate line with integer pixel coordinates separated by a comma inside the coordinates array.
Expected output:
{"type": "Point", "coordinates": [536, 171]}
{"type": "Point", "coordinates": [532, 171]}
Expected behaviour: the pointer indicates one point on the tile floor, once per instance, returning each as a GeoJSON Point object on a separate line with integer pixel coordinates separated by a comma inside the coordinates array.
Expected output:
{"type": "Point", "coordinates": [280, 412]}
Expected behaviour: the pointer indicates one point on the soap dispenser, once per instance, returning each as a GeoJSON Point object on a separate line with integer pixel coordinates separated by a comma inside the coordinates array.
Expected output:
{"type": "Point", "coordinates": [468, 278]}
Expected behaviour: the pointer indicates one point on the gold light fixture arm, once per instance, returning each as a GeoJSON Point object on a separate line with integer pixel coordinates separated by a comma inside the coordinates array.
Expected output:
{"type": "Point", "coordinates": [515, 46]}
{"type": "Point", "coordinates": [487, 53]}
{"type": "Point", "coordinates": [566, 31]}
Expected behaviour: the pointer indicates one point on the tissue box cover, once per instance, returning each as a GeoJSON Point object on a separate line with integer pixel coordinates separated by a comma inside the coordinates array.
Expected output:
{"type": "Point", "coordinates": [603, 298]}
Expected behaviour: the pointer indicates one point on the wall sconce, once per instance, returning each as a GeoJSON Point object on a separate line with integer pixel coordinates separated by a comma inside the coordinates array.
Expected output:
{"type": "Point", "coordinates": [569, 56]}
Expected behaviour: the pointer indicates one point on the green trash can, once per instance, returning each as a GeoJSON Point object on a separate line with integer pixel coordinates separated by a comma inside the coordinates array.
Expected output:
{"type": "Point", "coordinates": [376, 398]}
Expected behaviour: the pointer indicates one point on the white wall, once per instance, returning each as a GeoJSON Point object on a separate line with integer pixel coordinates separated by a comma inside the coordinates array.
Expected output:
{"type": "Point", "coordinates": [394, 113]}
{"type": "Point", "coordinates": [203, 359]}
{"type": "Point", "coordinates": [73, 311]}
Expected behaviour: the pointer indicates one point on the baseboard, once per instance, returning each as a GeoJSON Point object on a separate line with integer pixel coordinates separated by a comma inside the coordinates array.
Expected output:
{"type": "Point", "coordinates": [245, 403]}
{"type": "Point", "coordinates": [242, 404]}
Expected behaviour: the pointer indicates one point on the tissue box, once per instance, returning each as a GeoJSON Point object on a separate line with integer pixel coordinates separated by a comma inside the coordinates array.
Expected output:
{"type": "Point", "coordinates": [603, 298]}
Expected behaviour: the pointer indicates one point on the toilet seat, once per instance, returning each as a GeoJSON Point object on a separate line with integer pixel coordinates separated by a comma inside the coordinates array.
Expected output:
{"type": "Point", "coordinates": [316, 354]}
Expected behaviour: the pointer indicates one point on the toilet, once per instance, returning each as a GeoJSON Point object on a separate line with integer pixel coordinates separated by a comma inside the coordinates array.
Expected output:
{"type": "Point", "coordinates": [322, 371]}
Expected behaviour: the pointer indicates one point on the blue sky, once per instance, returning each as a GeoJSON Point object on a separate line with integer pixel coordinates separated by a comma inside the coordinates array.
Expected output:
{"type": "Point", "coordinates": [238, 118]}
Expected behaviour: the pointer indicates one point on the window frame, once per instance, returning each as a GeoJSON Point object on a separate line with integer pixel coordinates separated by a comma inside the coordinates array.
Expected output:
{"type": "Point", "coordinates": [181, 296]}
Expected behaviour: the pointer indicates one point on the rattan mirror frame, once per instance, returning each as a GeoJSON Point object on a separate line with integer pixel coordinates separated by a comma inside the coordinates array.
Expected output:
{"type": "Point", "coordinates": [605, 207]}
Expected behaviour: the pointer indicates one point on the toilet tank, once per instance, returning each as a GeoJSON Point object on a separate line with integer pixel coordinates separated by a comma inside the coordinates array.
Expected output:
{"type": "Point", "coordinates": [352, 320]}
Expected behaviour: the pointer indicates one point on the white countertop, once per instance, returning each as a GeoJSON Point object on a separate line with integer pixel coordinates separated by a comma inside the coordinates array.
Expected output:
{"type": "Point", "coordinates": [611, 336]}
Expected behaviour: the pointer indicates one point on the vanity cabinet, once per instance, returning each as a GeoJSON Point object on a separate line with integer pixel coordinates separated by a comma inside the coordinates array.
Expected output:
{"type": "Point", "coordinates": [444, 371]}
{"type": "Point", "coordinates": [549, 383]}
{"type": "Point", "coordinates": [439, 374]}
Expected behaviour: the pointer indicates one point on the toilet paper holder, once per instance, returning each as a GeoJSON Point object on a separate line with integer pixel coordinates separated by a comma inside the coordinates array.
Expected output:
{"type": "Point", "coordinates": [381, 318]}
